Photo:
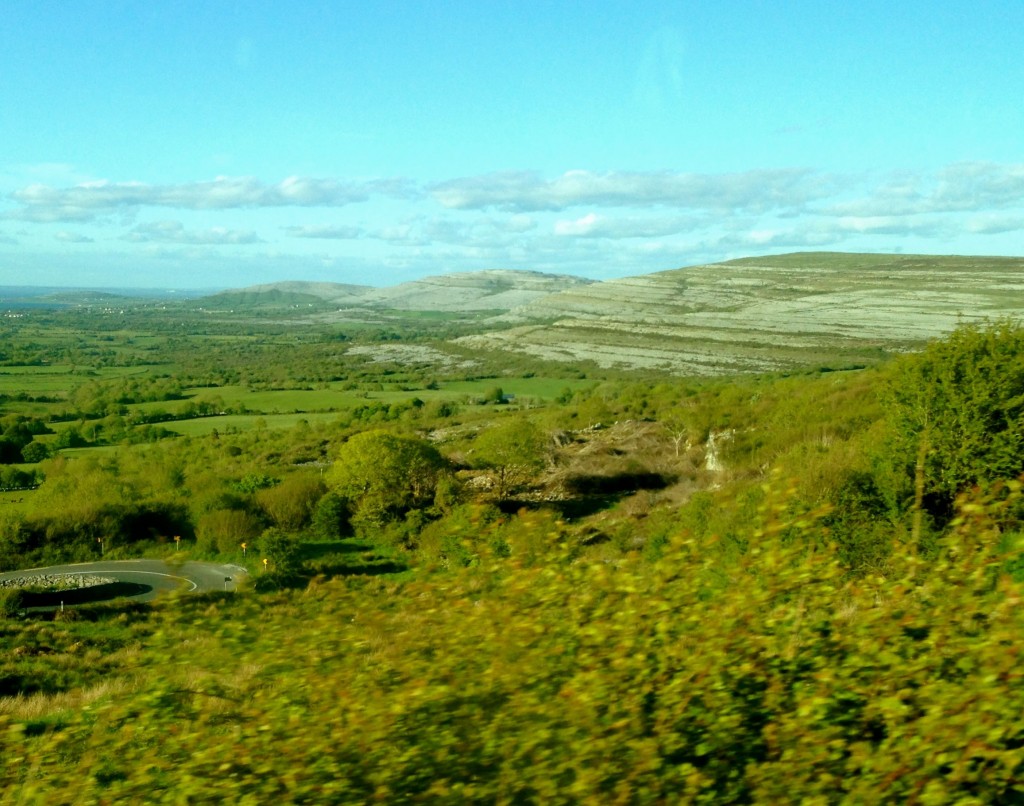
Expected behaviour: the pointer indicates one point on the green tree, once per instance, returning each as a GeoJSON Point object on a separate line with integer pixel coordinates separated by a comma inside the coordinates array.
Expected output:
{"type": "Point", "coordinates": [82, 500]}
{"type": "Point", "coordinates": [224, 530]}
{"type": "Point", "coordinates": [515, 450]}
{"type": "Point", "coordinates": [384, 475]}
{"type": "Point", "coordinates": [35, 452]}
{"type": "Point", "coordinates": [494, 394]}
{"type": "Point", "coordinates": [330, 517]}
{"type": "Point", "coordinates": [70, 437]}
{"type": "Point", "coordinates": [281, 549]}
{"type": "Point", "coordinates": [859, 525]}
{"type": "Point", "coordinates": [956, 412]}
{"type": "Point", "coordinates": [14, 539]}
{"type": "Point", "coordinates": [290, 504]}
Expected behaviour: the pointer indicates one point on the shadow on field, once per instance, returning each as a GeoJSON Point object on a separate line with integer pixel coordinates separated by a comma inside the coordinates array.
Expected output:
{"type": "Point", "coordinates": [346, 557]}
{"type": "Point", "coordinates": [76, 596]}
{"type": "Point", "coordinates": [331, 566]}
{"type": "Point", "coordinates": [619, 483]}
{"type": "Point", "coordinates": [591, 493]}
{"type": "Point", "coordinates": [567, 508]}
{"type": "Point", "coordinates": [314, 551]}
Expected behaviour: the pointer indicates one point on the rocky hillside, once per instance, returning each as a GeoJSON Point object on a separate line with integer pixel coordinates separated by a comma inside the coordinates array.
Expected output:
{"type": "Point", "coordinates": [289, 294]}
{"type": "Point", "coordinates": [766, 313]}
{"type": "Point", "coordinates": [493, 290]}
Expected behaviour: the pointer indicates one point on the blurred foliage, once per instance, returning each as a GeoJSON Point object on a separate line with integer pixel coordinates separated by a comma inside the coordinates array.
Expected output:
{"type": "Point", "coordinates": [768, 589]}
{"type": "Point", "coordinates": [683, 678]}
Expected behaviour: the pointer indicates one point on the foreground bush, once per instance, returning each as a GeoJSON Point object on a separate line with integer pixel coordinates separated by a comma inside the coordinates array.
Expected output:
{"type": "Point", "coordinates": [774, 678]}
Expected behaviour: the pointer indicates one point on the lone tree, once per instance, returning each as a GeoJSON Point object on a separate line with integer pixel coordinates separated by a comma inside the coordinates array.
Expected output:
{"type": "Point", "coordinates": [383, 475]}
{"type": "Point", "coordinates": [514, 450]}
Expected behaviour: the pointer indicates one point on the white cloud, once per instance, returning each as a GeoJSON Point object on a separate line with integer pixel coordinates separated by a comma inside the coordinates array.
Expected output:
{"type": "Point", "coordinates": [404, 233]}
{"type": "Point", "coordinates": [758, 190]}
{"type": "Point", "coordinates": [325, 231]}
{"type": "Point", "coordinates": [994, 224]}
{"type": "Point", "coordinates": [90, 200]}
{"type": "Point", "coordinates": [979, 185]}
{"type": "Point", "coordinates": [472, 232]}
{"type": "Point", "coordinates": [514, 223]}
{"type": "Point", "coordinates": [581, 226]}
{"type": "Point", "coordinates": [958, 188]}
{"type": "Point", "coordinates": [595, 226]}
{"type": "Point", "coordinates": [891, 225]}
{"type": "Point", "coordinates": [72, 237]}
{"type": "Point", "coordinates": [174, 232]}
{"type": "Point", "coordinates": [592, 223]}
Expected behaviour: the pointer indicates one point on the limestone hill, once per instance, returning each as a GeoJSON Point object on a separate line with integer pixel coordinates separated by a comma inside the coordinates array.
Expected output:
{"type": "Point", "coordinates": [494, 290]}
{"type": "Point", "coordinates": [491, 290]}
{"type": "Point", "coordinates": [765, 313]}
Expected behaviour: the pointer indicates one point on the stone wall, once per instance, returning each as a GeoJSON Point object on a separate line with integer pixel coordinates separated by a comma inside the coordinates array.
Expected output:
{"type": "Point", "coordinates": [56, 581]}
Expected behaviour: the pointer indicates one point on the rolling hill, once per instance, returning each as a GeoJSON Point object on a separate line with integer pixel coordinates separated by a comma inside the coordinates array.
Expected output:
{"type": "Point", "coordinates": [494, 290]}
{"type": "Point", "coordinates": [292, 294]}
{"type": "Point", "coordinates": [758, 314]}
{"type": "Point", "coordinates": [765, 313]}
{"type": "Point", "coordinates": [490, 290]}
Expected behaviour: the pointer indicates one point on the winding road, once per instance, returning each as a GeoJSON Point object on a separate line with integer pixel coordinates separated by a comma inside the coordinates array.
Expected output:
{"type": "Point", "coordinates": [147, 578]}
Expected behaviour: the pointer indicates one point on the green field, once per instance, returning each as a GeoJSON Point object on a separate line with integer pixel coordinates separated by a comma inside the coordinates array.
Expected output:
{"type": "Point", "coordinates": [60, 379]}
{"type": "Point", "coordinates": [244, 422]}
{"type": "Point", "coordinates": [336, 398]}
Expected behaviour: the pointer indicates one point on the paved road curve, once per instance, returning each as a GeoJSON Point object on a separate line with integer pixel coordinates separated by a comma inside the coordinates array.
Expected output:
{"type": "Point", "coordinates": [155, 576]}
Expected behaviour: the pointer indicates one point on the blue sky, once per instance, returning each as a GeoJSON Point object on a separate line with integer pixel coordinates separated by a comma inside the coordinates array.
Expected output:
{"type": "Point", "coordinates": [200, 145]}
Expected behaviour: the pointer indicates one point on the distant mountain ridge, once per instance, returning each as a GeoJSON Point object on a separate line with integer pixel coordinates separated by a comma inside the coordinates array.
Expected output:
{"type": "Point", "coordinates": [758, 314]}
{"type": "Point", "coordinates": [489, 290]}
{"type": "Point", "coordinates": [497, 290]}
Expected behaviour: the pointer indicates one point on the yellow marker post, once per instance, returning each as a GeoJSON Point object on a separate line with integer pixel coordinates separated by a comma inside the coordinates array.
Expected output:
{"type": "Point", "coordinates": [177, 542]}
{"type": "Point", "coordinates": [265, 561]}
{"type": "Point", "coordinates": [244, 547]}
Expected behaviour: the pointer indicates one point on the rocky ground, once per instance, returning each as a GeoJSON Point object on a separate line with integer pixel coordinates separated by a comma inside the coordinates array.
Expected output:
{"type": "Point", "coordinates": [56, 581]}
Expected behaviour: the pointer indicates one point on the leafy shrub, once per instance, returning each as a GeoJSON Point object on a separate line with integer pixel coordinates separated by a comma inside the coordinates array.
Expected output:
{"type": "Point", "coordinates": [222, 531]}
{"type": "Point", "coordinates": [12, 601]}
{"type": "Point", "coordinates": [290, 504]}
{"type": "Point", "coordinates": [330, 517]}
{"type": "Point", "coordinates": [281, 549]}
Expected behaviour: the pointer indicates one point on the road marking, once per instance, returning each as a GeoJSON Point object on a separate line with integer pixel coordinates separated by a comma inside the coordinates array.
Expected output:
{"type": "Point", "coordinates": [191, 582]}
